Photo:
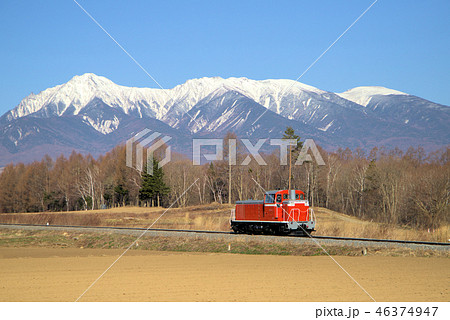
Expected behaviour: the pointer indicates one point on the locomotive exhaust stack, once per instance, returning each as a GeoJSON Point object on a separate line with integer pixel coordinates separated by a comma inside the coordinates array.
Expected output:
{"type": "Point", "coordinates": [281, 212]}
{"type": "Point", "coordinates": [291, 194]}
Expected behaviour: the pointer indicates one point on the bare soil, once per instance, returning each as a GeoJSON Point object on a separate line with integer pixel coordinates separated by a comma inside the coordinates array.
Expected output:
{"type": "Point", "coordinates": [56, 274]}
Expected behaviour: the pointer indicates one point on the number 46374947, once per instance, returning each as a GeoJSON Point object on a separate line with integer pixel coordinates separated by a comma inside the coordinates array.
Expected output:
{"type": "Point", "coordinates": [412, 311]}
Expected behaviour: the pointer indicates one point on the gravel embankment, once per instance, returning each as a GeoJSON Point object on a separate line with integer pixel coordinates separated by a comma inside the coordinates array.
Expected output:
{"type": "Point", "coordinates": [234, 237]}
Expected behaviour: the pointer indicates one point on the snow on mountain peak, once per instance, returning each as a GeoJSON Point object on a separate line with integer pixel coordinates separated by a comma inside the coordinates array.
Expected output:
{"type": "Point", "coordinates": [75, 94]}
{"type": "Point", "coordinates": [288, 98]}
{"type": "Point", "coordinates": [363, 95]}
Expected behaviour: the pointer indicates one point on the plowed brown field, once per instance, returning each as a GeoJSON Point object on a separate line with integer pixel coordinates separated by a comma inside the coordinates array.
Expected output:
{"type": "Point", "coordinates": [45, 274]}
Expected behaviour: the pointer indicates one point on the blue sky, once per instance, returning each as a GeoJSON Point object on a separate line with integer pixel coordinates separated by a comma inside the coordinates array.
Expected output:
{"type": "Point", "coordinates": [403, 45]}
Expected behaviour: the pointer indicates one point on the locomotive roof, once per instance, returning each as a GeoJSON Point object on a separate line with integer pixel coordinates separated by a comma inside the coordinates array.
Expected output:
{"type": "Point", "coordinates": [275, 191]}
{"type": "Point", "coordinates": [250, 202]}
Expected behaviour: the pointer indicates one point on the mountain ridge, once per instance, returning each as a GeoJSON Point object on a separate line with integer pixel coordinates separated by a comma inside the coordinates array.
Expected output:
{"type": "Point", "coordinates": [209, 107]}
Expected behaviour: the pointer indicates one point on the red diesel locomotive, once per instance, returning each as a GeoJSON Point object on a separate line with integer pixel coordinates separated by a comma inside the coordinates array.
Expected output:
{"type": "Point", "coordinates": [281, 212]}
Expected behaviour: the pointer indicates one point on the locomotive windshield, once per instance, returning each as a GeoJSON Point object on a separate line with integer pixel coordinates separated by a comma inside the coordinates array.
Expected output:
{"type": "Point", "coordinates": [270, 198]}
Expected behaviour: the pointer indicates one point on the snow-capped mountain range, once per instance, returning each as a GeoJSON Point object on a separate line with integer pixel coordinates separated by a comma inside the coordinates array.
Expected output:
{"type": "Point", "coordinates": [91, 113]}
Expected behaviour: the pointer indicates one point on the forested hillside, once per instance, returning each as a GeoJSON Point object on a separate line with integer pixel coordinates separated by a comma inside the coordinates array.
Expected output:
{"type": "Point", "coordinates": [411, 188]}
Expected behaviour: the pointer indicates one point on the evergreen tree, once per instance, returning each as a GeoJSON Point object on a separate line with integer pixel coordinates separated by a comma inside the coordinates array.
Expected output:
{"type": "Point", "coordinates": [373, 203]}
{"type": "Point", "coordinates": [153, 186]}
{"type": "Point", "coordinates": [121, 194]}
{"type": "Point", "coordinates": [290, 134]}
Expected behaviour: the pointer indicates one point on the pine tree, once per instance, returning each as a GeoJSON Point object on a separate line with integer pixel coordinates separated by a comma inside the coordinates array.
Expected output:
{"type": "Point", "coordinates": [290, 134]}
{"type": "Point", "coordinates": [121, 193]}
{"type": "Point", "coordinates": [153, 186]}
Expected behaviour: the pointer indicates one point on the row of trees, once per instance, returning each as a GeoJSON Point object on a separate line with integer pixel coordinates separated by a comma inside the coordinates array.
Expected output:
{"type": "Point", "coordinates": [78, 183]}
{"type": "Point", "coordinates": [409, 188]}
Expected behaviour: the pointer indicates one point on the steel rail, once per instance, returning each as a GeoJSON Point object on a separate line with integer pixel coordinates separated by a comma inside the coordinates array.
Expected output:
{"type": "Point", "coordinates": [106, 228]}
{"type": "Point", "coordinates": [385, 240]}
{"type": "Point", "coordinates": [111, 228]}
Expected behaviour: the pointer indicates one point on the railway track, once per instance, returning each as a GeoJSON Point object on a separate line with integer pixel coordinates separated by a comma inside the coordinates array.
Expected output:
{"type": "Point", "coordinates": [386, 240]}
{"type": "Point", "coordinates": [112, 228]}
{"type": "Point", "coordinates": [103, 228]}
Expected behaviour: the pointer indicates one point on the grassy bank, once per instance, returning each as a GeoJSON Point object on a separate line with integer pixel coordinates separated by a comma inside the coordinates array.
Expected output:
{"type": "Point", "coordinates": [59, 239]}
{"type": "Point", "coordinates": [206, 217]}
{"type": "Point", "coordinates": [216, 217]}
{"type": "Point", "coordinates": [331, 223]}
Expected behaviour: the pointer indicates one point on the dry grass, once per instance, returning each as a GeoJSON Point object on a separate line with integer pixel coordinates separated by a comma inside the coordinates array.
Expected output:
{"type": "Point", "coordinates": [216, 217]}
{"type": "Point", "coordinates": [204, 217]}
{"type": "Point", "coordinates": [331, 223]}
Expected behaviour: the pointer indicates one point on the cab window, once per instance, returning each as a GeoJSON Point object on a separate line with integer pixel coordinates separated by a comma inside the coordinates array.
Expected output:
{"type": "Point", "coordinates": [278, 198]}
{"type": "Point", "coordinates": [270, 198]}
{"type": "Point", "coordinates": [302, 196]}
{"type": "Point", "coordinates": [285, 196]}
{"type": "Point", "coordinates": [296, 196]}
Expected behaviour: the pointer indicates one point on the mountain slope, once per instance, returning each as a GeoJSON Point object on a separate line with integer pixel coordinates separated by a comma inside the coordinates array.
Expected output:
{"type": "Point", "coordinates": [399, 108]}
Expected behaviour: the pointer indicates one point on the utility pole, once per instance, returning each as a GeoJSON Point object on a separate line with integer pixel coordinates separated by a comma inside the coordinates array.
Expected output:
{"type": "Point", "coordinates": [290, 155]}
{"type": "Point", "coordinates": [229, 182]}
{"type": "Point", "coordinates": [230, 139]}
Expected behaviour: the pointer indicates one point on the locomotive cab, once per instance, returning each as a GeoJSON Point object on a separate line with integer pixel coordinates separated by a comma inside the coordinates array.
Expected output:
{"type": "Point", "coordinates": [297, 213]}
